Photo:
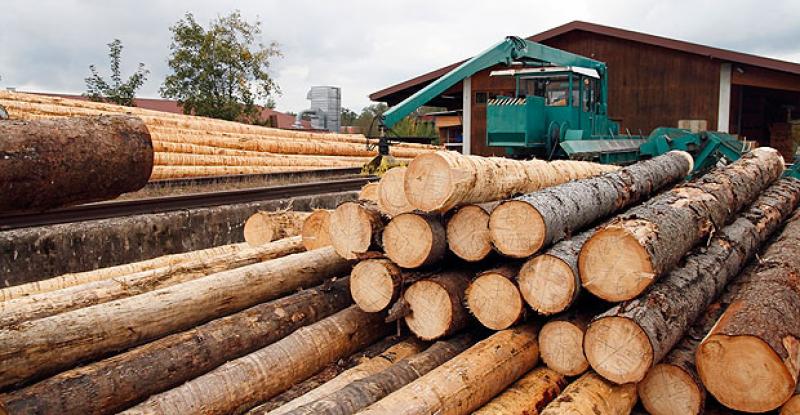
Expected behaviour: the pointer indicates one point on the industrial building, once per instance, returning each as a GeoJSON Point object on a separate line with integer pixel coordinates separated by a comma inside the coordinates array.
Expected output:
{"type": "Point", "coordinates": [653, 81]}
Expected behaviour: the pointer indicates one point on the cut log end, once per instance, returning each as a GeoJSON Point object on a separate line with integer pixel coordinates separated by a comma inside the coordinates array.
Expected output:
{"type": "Point", "coordinates": [468, 233]}
{"type": "Point", "coordinates": [792, 406]}
{"type": "Point", "coordinates": [351, 230]}
{"type": "Point", "coordinates": [614, 266]}
{"type": "Point", "coordinates": [412, 241]}
{"type": "Point", "coordinates": [369, 192]}
{"type": "Point", "coordinates": [258, 229]}
{"type": "Point", "coordinates": [618, 349]}
{"type": "Point", "coordinates": [744, 373]}
{"type": "Point", "coordinates": [428, 183]}
{"type": "Point", "coordinates": [315, 230]}
{"type": "Point", "coordinates": [495, 301]}
{"type": "Point", "coordinates": [669, 390]}
{"type": "Point", "coordinates": [391, 194]}
{"type": "Point", "coordinates": [547, 284]}
{"type": "Point", "coordinates": [561, 347]}
{"type": "Point", "coordinates": [517, 229]}
{"type": "Point", "coordinates": [373, 284]}
{"type": "Point", "coordinates": [431, 310]}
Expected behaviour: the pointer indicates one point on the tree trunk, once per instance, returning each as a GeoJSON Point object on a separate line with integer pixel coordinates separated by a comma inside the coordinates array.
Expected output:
{"type": "Point", "coordinates": [624, 342]}
{"type": "Point", "coordinates": [355, 229]}
{"type": "Point", "coordinates": [376, 284]}
{"type": "Point", "coordinates": [47, 304]}
{"type": "Point", "coordinates": [440, 181]}
{"type": "Point", "coordinates": [591, 394]}
{"type": "Point", "coordinates": [521, 227]}
{"type": "Point", "coordinates": [391, 195]}
{"type": "Point", "coordinates": [61, 162]}
{"type": "Point", "coordinates": [115, 383]}
{"type": "Point", "coordinates": [494, 299]}
{"type": "Point", "coordinates": [239, 384]}
{"type": "Point", "coordinates": [370, 367]}
{"type": "Point", "coordinates": [369, 192]}
{"type": "Point", "coordinates": [550, 282]}
{"type": "Point", "coordinates": [40, 347]}
{"type": "Point", "coordinates": [561, 341]}
{"type": "Point", "coordinates": [527, 396]}
{"type": "Point", "coordinates": [264, 227]}
{"type": "Point", "coordinates": [364, 392]}
{"type": "Point", "coordinates": [628, 255]}
{"type": "Point", "coordinates": [437, 305]}
{"type": "Point", "coordinates": [316, 230]}
{"type": "Point", "coordinates": [78, 278]}
{"type": "Point", "coordinates": [468, 232]}
{"type": "Point", "coordinates": [469, 380]}
{"type": "Point", "coordinates": [758, 336]}
{"type": "Point", "coordinates": [413, 241]}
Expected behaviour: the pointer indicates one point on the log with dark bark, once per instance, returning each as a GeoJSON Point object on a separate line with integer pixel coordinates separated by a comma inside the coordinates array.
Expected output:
{"type": "Point", "coordinates": [355, 228]}
{"type": "Point", "coordinates": [316, 230]}
{"type": "Point", "coordinates": [468, 232]}
{"type": "Point", "coordinates": [591, 394]}
{"type": "Point", "coordinates": [42, 346]}
{"type": "Point", "coordinates": [364, 392]}
{"type": "Point", "coordinates": [751, 358]}
{"type": "Point", "coordinates": [629, 254]}
{"type": "Point", "coordinates": [527, 396]}
{"type": "Point", "coordinates": [415, 240]}
{"type": "Point", "coordinates": [561, 341]}
{"type": "Point", "coordinates": [264, 227]}
{"type": "Point", "coordinates": [437, 305]}
{"type": "Point", "coordinates": [623, 343]}
{"type": "Point", "coordinates": [494, 299]}
{"type": "Point", "coordinates": [522, 226]}
{"type": "Point", "coordinates": [49, 163]}
{"type": "Point", "coordinates": [121, 380]}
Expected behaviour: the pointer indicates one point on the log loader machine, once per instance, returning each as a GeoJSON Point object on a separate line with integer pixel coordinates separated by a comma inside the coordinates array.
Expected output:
{"type": "Point", "coordinates": [560, 110]}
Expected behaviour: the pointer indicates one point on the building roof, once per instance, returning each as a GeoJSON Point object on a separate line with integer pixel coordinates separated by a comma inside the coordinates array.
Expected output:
{"type": "Point", "coordinates": [679, 45]}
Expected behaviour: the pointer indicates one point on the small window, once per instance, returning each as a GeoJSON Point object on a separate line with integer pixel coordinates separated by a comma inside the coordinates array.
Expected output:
{"type": "Point", "coordinates": [557, 92]}
{"type": "Point", "coordinates": [481, 97]}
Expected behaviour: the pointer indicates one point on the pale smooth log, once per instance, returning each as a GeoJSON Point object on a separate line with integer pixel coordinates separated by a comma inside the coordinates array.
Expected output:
{"type": "Point", "coordinates": [263, 227]}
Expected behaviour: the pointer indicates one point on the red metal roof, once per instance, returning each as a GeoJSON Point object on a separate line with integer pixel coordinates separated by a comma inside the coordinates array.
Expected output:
{"type": "Point", "coordinates": [694, 48]}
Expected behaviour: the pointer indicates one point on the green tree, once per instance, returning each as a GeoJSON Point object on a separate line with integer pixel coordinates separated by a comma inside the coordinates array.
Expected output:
{"type": "Point", "coordinates": [348, 117]}
{"type": "Point", "coordinates": [116, 91]}
{"type": "Point", "coordinates": [411, 126]}
{"type": "Point", "coordinates": [220, 71]}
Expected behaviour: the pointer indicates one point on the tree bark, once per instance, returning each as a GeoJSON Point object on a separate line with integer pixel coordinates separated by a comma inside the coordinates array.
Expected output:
{"type": "Point", "coordinates": [437, 305]}
{"type": "Point", "coordinates": [527, 396]}
{"type": "Point", "coordinates": [61, 162]}
{"type": "Point", "coordinates": [119, 381]}
{"type": "Point", "coordinates": [624, 342]}
{"type": "Point", "coordinates": [591, 394]}
{"type": "Point", "coordinates": [468, 231]}
{"type": "Point", "coordinates": [758, 336]}
{"type": "Point", "coordinates": [524, 225]}
{"type": "Point", "coordinates": [629, 254]}
{"type": "Point", "coordinates": [355, 228]}
{"type": "Point", "coordinates": [316, 230]}
{"type": "Point", "coordinates": [469, 380]}
{"type": "Point", "coordinates": [239, 384]}
{"type": "Point", "coordinates": [391, 196]}
{"type": "Point", "coordinates": [494, 299]}
{"type": "Point", "coordinates": [440, 181]}
{"type": "Point", "coordinates": [263, 227]}
{"type": "Point", "coordinates": [413, 241]}
{"type": "Point", "coordinates": [561, 341]}
{"type": "Point", "coordinates": [47, 304]}
{"type": "Point", "coordinates": [40, 347]}
{"type": "Point", "coordinates": [364, 392]}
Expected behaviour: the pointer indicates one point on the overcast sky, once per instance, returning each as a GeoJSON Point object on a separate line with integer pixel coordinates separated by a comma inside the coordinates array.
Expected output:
{"type": "Point", "coordinates": [360, 46]}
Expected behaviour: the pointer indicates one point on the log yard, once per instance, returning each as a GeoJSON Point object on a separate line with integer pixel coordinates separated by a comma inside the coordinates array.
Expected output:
{"type": "Point", "coordinates": [587, 221]}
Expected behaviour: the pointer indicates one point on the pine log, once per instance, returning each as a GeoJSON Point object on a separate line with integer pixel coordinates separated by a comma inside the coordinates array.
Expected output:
{"type": "Point", "coordinates": [590, 395]}
{"type": "Point", "coordinates": [550, 282]}
{"type": "Point", "coordinates": [285, 160]}
{"type": "Point", "coordinates": [469, 380]}
{"type": "Point", "coordinates": [391, 195]}
{"type": "Point", "coordinates": [316, 230]}
{"type": "Point", "coordinates": [242, 383]}
{"type": "Point", "coordinates": [40, 347]}
{"type": "Point", "coordinates": [415, 240]}
{"type": "Point", "coordinates": [53, 163]}
{"type": "Point", "coordinates": [368, 368]}
{"type": "Point", "coordinates": [494, 299]}
{"type": "Point", "coordinates": [561, 341]}
{"type": "Point", "coordinates": [629, 254]}
{"type": "Point", "coordinates": [524, 225]}
{"type": "Point", "coordinates": [440, 181]}
{"type": "Point", "coordinates": [623, 343]}
{"type": "Point", "coordinates": [182, 172]}
{"type": "Point", "coordinates": [376, 284]}
{"type": "Point", "coordinates": [366, 391]}
{"type": "Point", "coordinates": [468, 232]}
{"type": "Point", "coordinates": [51, 303]}
{"type": "Point", "coordinates": [437, 305]}
{"type": "Point", "coordinates": [263, 227]}
{"type": "Point", "coordinates": [751, 358]}
{"type": "Point", "coordinates": [119, 381]}
{"type": "Point", "coordinates": [355, 228]}
{"type": "Point", "coordinates": [369, 192]}
{"type": "Point", "coordinates": [78, 278]}
{"type": "Point", "coordinates": [527, 396]}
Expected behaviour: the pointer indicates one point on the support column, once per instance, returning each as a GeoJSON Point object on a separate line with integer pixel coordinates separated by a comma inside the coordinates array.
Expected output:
{"type": "Point", "coordinates": [466, 117]}
{"type": "Point", "coordinates": [723, 116]}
